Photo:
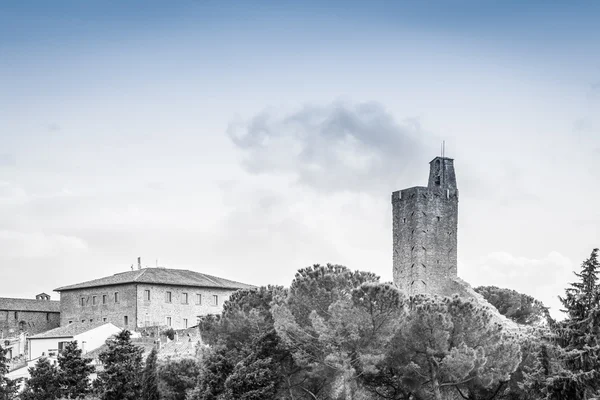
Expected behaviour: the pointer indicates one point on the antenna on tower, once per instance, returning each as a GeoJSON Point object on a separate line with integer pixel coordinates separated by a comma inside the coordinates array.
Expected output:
{"type": "Point", "coordinates": [443, 148]}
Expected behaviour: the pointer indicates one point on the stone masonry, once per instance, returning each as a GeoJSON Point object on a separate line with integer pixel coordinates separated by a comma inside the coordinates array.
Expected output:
{"type": "Point", "coordinates": [146, 297]}
{"type": "Point", "coordinates": [425, 223]}
{"type": "Point", "coordinates": [28, 315]}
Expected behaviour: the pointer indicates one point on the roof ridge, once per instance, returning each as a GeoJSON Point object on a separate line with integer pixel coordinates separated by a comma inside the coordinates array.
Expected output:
{"type": "Point", "coordinates": [21, 298]}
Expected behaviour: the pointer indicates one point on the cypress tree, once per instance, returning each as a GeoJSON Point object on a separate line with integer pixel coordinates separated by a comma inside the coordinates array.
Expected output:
{"type": "Point", "coordinates": [150, 378]}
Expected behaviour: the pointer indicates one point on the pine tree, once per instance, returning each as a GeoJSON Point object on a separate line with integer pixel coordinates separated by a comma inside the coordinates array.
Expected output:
{"type": "Point", "coordinates": [150, 378]}
{"type": "Point", "coordinates": [43, 383]}
{"type": "Point", "coordinates": [74, 372]}
{"type": "Point", "coordinates": [579, 336]}
{"type": "Point", "coordinates": [8, 388]}
{"type": "Point", "coordinates": [120, 379]}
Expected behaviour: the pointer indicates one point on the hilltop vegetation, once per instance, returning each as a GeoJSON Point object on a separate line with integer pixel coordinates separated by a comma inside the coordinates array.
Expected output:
{"type": "Point", "coordinates": [339, 334]}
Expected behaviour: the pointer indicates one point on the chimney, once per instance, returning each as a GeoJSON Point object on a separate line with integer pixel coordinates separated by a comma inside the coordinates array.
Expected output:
{"type": "Point", "coordinates": [139, 262]}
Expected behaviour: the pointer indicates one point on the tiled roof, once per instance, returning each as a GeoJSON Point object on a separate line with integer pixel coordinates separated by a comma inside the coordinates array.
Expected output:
{"type": "Point", "coordinates": [9, 304]}
{"type": "Point", "coordinates": [162, 276]}
{"type": "Point", "coordinates": [69, 330]}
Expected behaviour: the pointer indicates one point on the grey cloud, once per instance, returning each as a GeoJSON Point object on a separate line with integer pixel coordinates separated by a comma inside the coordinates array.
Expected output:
{"type": "Point", "coordinates": [332, 148]}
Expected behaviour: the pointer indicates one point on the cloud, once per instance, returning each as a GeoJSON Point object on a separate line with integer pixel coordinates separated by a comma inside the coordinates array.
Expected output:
{"type": "Point", "coordinates": [332, 148]}
{"type": "Point", "coordinates": [544, 278]}
{"type": "Point", "coordinates": [27, 245]}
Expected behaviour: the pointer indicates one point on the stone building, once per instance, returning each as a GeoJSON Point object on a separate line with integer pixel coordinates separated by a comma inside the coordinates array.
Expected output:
{"type": "Point", "coordinates": [28, 315]}
{"type": "Point", "coordinates": [146, 297]}
{"type": "Point", "coordinates": [425, 223]}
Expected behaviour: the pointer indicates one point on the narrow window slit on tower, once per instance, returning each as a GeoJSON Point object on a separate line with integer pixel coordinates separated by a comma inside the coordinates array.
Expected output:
{"type": "Point", "coordinates": [404, 220]}
{"type": "Point", "coordinates": [438, 218]}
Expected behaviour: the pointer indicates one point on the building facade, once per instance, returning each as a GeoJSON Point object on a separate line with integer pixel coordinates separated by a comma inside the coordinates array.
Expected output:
{"type": "Point", "coordinates": [146, 297]}
{"type": "Point", "coordinates": [28, 315]}
{"type": "Point", "coordinates": [425, 224]}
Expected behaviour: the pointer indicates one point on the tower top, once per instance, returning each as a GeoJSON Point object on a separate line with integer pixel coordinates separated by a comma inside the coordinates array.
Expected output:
{"type": "Point", "coordinates": [441, 173]}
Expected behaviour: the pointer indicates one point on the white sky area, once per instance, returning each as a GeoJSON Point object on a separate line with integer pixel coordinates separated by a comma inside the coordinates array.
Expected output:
{"type": "Point", "coordinates": [249, 155]}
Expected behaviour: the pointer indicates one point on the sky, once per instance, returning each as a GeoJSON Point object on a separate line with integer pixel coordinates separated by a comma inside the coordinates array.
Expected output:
{"type": "Point", "coordinates": [250, 139]}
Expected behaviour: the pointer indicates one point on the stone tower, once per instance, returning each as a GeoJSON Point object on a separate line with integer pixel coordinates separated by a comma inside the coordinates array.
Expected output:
{"type": "Point", "coordinates": [425, 222]}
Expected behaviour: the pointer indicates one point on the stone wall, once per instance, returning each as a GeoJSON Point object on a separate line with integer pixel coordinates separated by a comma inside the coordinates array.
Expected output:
{"type": "Point", "coordinates": [154, 312]}
{"type": "Point", "coordinates": [133, 304]}
{"type": "Point", "coordinates": [14, 321]}
{"type": "Point", "coordinates": [96, 307]}
{"type": "Point", "coordinates": [425, 223]}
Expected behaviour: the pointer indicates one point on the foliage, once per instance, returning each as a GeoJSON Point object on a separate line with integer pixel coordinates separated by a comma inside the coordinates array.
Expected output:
{"type": "Point", "coordinates": [578, 338]}
{"type": "Point", "coordinates": [177, 377]}
{"type": "Point", "coordinates": [216, 367]}
{"type": "Point", "coordinates": [519, 307]}
{"type": "Point", "coordinates": [74, 372]}
{"type": "Point", "coordinates": [8, 387]}
{"type": "Point", "coordinates": [120, 379]}
{"type": "Point", "coordinates": [44, 383]}
{"type": "Point", "coordinates": [332, 324]}
{"type": "Point", "coordinates": [451, 344]}
{"type": "Point", "coordinates": [170, 333]}
{"type": "Point", "coordinates": [150, 378]}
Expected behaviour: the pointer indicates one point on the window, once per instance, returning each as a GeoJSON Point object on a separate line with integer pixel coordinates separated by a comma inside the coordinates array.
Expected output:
{"type": "Point", "coordinates": [184, 298]}
{"type": "Point", "coordinates": [147, 295]}
{"type": "Point", "coordinates": [104, 319]}
{"type": "Point", "coordinates": [91, 320]}
{"type": "Point", "coordinates": [103, 299]}
{"type": "Point", "coordinates": [93, 300]}
{"type": "Point", "coordinates": [16, 315]}
{"type": "Point", "coordinates": [168, 321]}
{"type": "Point", "coordinates": [82, 301]}
{"type": "Point", "coordinates": [198, 298]}
{"type": "Point", "coordinates": [168, 297]}
{"type": "Point", "coordinates": [70, 322]}
{"type": "Point", "coordinates": [47, 316]}
{"type": "Point", "coordinates": [215, 300]}
{"type": "Point", "coordinates": [116, 297]}
{"type": "Point", "coordinates": [83, 320]}
{"type": "Point", "coordinates": [185, 323]}
{"type": "Point", "coordinates": [125, 320]}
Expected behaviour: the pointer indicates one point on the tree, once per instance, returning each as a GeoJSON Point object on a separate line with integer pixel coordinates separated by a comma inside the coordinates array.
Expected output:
{"type": "Point", "coordinates": [215, 369]}
{"type": "Point", "coordinates": [243, 340]}
{"type": "Point", "coordinates": [177, 377]}
{"type": "Point", "coordinates": [578, 338]}
{"type": "Point", "coordinates": [120, 379]}
{"type": "Point", "coordinates": [519, 307]}
{"type": "Point", "coordinates": [8, 388]}
{"type": "Point", "coordinates": [150, 378]}
{"type": "Point", "coordinates": [74, 372]}
{"type": "Point", "coordinates": [451, 344]}
{"type": "Point", "coordinates": [44, 382]}
{"type": "Point", "coordinates": [320, 321]}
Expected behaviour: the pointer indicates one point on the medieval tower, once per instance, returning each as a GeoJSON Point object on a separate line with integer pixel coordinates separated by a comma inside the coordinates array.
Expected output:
{"type": "Point", "coordinates": [425, 222]}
